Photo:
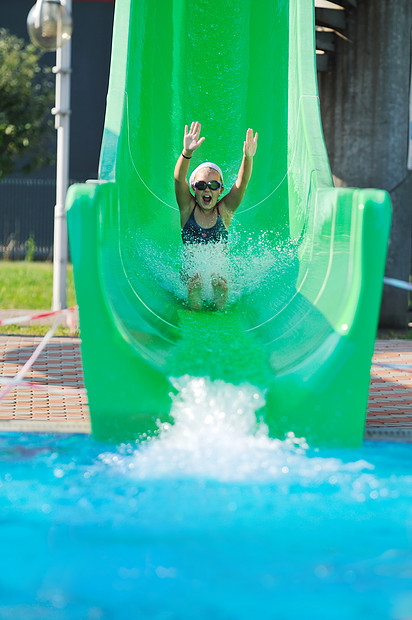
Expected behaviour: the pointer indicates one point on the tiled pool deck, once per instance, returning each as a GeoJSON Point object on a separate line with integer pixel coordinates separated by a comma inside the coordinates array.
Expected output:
{"type": "Point", "coordinates": [62, 405]}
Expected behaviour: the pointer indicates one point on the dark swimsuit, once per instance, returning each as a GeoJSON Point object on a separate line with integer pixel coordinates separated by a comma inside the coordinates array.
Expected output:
{"type": "Point", "coordinates": [193, 233]}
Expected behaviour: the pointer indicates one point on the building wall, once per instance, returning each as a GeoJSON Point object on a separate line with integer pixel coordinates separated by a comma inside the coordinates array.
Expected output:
{"type": "Point", "coordinates": [365, 115]}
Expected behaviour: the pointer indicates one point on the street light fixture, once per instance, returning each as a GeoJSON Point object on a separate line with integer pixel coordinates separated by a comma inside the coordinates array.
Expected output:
{"type": "Point", "coordinates": [50, 27]}
{"type": "Point", "coordinates": [49, 24]}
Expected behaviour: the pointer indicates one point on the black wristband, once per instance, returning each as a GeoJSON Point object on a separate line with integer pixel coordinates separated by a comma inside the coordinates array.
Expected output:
{"type": "Point", "coordinates": [186, 157]}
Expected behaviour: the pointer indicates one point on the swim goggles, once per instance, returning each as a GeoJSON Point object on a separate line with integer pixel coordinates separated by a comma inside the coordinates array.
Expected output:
{"type": "Point", "coordinates": [213, 185]}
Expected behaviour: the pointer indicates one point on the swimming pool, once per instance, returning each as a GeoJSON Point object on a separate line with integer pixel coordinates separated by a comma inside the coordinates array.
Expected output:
{"type": "Point", "coordinates": [212, 519]}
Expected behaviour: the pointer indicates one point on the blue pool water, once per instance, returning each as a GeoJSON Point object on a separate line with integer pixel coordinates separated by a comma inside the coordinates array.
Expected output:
{"type": "Point", "coordinates": [212, 519]}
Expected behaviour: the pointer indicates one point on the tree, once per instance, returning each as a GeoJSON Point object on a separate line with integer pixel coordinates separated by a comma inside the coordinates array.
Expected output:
{"type": "Point", "coordinates": [26, 96]}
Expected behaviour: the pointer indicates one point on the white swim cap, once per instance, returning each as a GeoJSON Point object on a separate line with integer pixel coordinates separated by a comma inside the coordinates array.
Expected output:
{"type": "Point", "coordinates": [206, 164]}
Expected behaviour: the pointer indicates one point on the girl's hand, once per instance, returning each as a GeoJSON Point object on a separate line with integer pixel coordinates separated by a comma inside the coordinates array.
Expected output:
{"type": "Point", "coordinates": [191, 140]}
{"type": "Point", "coordinates": [250, 144]}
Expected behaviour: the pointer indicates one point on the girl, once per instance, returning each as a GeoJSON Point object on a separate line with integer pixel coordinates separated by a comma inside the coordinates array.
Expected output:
{"type": "Point", "coordinates": [203, 217]}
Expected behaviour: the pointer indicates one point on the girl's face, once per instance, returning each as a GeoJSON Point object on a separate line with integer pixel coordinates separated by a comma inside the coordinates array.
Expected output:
{"type": "Point", "coordinates": [207, 198]}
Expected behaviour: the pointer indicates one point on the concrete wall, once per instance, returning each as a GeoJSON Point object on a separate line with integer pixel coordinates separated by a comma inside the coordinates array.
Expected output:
{"type": "Point", "coordinates": [365, 114]}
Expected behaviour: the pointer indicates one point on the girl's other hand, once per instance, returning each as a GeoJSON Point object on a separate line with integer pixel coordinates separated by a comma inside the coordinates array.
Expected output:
{"type": "Point", "coordinates": [250, 144]}
{"type": "Point", "coordinates": [191, 140]}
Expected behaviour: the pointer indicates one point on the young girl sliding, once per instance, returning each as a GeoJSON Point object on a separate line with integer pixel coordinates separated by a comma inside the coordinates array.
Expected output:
{"type": "Point", "coordinates": [203, 217]}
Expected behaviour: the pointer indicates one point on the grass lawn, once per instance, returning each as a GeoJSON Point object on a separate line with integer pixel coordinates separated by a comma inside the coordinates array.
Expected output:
{"type": "Point", "coordinates": [29, 286]}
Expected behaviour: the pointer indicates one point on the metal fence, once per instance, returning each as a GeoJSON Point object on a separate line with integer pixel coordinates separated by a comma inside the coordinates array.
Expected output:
{"type": "Point", "coordinates": [27, 218]}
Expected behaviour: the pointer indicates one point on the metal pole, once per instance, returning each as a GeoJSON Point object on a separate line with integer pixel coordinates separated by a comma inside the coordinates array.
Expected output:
{"type": "Point", "coordinates": [62, 124]}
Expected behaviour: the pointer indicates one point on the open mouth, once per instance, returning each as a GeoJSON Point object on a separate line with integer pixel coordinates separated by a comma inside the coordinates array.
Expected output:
{"type": "Point", "coordinates": [207, 199]}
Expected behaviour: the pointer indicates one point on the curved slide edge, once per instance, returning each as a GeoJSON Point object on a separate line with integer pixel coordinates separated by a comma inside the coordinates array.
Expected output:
{"type": "Point", "coordinates": [127, 395]}
{"type": "Point", "coordinates": [324, 398]}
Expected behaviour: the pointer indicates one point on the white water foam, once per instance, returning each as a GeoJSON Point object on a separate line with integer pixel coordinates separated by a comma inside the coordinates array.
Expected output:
{"type": "Point", "coordinates": [205, 260]}
{"type": "Point", "coordinates": [216, 436]}
{"type": "Point", "coordinates": [248, 265]}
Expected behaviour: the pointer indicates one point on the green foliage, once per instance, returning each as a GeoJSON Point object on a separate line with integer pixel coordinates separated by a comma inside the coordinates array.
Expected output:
{"type": "Point", "coordinates": [31, 248]}
{"type": "Point", "coordinates": [26, 96]}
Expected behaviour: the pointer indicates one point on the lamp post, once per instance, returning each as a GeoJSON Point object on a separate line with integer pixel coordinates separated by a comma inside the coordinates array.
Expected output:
{"type": "Point", "coordinates": [50, 26]}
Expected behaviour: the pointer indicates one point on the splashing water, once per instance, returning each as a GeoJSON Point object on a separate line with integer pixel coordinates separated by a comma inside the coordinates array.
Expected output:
{"type": "Point", "coordinates": [248, 263]}
{"type": "Point", "coordinates": [215, 428]}
{"type": "Point", "coordinates": [217, 435]}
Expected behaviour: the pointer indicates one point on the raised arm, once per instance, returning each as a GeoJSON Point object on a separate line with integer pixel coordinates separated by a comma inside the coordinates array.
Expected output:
{"type": "Point", "coordinates": [233, 199]}
{"type": "Point", "coordinates": [191, 142]}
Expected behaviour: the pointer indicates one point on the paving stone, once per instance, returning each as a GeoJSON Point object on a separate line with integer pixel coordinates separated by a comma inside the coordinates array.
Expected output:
{"type": "Point", "coordinates": [60, 368]}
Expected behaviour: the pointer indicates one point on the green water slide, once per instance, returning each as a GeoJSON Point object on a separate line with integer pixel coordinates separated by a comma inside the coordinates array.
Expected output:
{"type": "Point", "coordinates": [306, 260]}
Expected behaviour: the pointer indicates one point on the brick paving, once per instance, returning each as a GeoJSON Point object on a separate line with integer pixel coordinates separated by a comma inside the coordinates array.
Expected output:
{"type": "Point", "coordinates": [389, 415]}
{"type": "Point", "coordinates": [62, 405]}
